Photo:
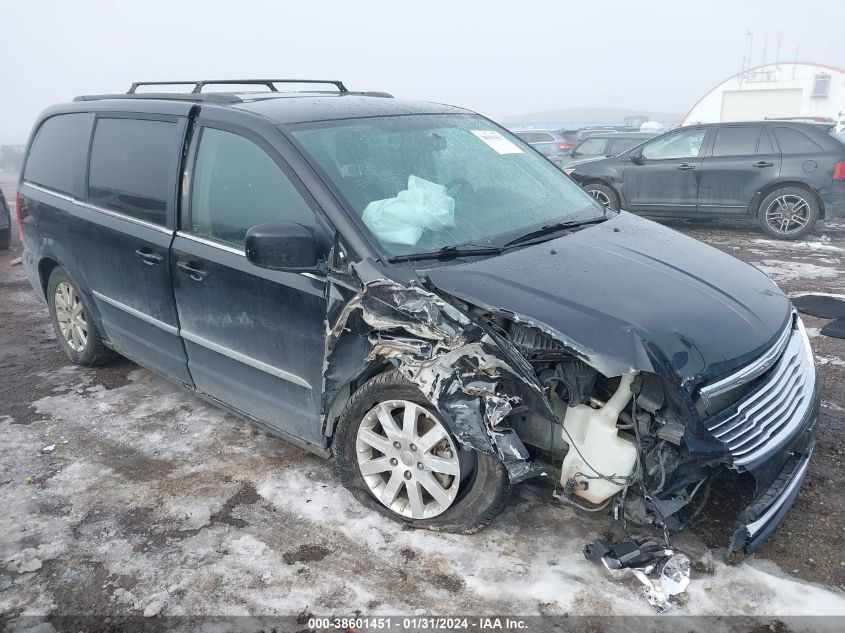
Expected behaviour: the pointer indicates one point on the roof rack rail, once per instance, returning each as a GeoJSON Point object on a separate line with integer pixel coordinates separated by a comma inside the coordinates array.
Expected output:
{"type": "Point", "coordinates": [198, 85]}
{"type": "Point", "coordinates": [208, 97]}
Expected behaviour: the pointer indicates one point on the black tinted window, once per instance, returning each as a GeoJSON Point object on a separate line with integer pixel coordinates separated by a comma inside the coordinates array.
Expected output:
{"type": "Point", "coordinates": [58, 152]}
{"type": "Point", "coordinates": [736, 141]}
{"type": "Point", "coordinates": [237, 186]}
{"type": "Point", "coordinates": [133, 167]}
{"type": "Point", "coordinates": [792, 141]}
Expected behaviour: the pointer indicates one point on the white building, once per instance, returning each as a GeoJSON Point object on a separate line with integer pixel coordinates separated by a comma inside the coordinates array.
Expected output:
{"type": "Point", "coordinates": [786, 89]}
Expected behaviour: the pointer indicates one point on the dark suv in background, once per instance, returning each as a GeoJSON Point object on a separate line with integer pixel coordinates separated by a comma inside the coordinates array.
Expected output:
{"type": "Point", "coordinates": [785, 174]}
{"type": "Point", "coordinates": [604, 144]}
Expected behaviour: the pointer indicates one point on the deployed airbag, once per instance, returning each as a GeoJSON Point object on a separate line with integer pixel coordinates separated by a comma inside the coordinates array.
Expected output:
{"type": "Point", "coordinates": [424, 205]}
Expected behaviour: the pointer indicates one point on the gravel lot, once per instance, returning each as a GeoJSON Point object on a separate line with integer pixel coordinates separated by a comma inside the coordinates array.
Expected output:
{"type": "Point", "coordinates": [154, 502]}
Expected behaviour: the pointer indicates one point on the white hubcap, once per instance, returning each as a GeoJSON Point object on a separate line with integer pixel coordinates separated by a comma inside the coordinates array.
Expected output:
{"type": "Point", "coordinates": [71, 316]}
{"type": "Point", "coordinates": [407, 459]}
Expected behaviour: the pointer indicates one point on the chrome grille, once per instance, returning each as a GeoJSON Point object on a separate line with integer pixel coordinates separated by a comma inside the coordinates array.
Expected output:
{"type": "Point", "coordinates": [769, 416]}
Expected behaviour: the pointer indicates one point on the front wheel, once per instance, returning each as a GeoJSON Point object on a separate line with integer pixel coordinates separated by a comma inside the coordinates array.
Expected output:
{"type": "Point", "coordinates": [396, 456]}
{"type": "Point", "coordinates": [788, 213]}
{"type": "Point", "coordinates": [606, 196]}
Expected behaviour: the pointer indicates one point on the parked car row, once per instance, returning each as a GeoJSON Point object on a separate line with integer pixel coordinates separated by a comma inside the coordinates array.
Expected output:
{"type": "Point", "coordinates": [784, 174]}
{"type": "Point", "coordinates": [551, 143]}
{"type": "Point", "coordinates": [415, 293]}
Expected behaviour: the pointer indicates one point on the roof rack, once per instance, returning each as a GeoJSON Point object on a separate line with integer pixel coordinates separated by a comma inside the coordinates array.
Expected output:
{"type": "Point", "coordinates": [198, 85]}
{"type": "Point", "coordinates": [197, 95]}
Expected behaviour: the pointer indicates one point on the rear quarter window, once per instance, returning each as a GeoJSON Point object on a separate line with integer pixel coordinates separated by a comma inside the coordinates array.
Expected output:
{"type": "Point", "coordinates": [58, 152]}
{"type": "Point", "coordinates": [133, 167]}
{"type": "Point", "coordinates": [793, 141]}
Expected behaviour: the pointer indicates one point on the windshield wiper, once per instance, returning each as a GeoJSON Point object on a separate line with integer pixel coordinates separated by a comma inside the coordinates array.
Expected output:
{"type": "Point", "coordinates": [449, 252]}
{"type": "Point", "coordinates": [549, 229]}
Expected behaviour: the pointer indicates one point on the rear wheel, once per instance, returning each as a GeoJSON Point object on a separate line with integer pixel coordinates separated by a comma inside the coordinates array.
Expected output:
{"type": "Point", "coordinates": [396, 456]}
{"type": "Point", "coordinates": [5, 237]}
{"type": "Point", "coordinates": [77, 334]}
{"type": "Point", "coordinates": [789, 213]}
{"type": "Point", "coordinates": [605, 195]}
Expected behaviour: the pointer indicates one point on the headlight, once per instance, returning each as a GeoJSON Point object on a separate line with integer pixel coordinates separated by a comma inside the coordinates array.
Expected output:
{"type": "Point", "coordinates": [808, 348]}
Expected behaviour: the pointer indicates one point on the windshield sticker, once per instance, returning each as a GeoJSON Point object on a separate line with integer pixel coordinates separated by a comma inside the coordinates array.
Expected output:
{"type": "Point", "coordinates": [497, 141]}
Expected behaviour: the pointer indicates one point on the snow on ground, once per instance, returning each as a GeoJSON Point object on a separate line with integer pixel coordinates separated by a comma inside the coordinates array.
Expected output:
{"type": "Point", "coordinates": [790, 270]}
{"type": "Point", "coordinates": [185, 510]}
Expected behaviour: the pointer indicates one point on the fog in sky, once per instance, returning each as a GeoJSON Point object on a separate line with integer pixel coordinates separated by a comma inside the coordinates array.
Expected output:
{"type": "Point", "coordinates": [499, 57]}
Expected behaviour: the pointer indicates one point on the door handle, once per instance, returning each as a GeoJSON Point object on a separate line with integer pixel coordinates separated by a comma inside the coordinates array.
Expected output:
{"type": "Point", "coordinates": [149, 258]}
{"type": "Point", "coordinates": [763, 163]}
{"type": "Point", "coordinates": [193, 272]}
{"type": "Point", "coordinates": [685, 166]}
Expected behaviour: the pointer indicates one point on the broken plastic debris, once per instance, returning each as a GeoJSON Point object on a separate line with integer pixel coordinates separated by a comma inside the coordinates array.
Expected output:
{"type": "Point", "coordinates": [674, 577]}
{"type": "Point", "coordinates": [48, 449]}
{"type": "Point", "coordinates": [642, 558]}
{"type": "Point", "coordinates": [422, 206]}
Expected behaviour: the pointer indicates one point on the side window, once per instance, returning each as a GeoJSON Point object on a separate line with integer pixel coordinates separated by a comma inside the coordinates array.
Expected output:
{"type": "Point", "coordinates": [685, 144]}
{"type": "Point", "coordinates": [237, 186]}
{"type": "Point", "coordinates": [792, 141]}
{"type": "Point", "coordinates": [58, 151]}
{"type": "Point", "coordinates": [736, 141]}
{"type": "Point", "coordinates": [133, 167]}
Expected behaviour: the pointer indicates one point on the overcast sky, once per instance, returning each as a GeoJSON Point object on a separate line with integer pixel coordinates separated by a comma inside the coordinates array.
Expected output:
{"type": "Point", "coordinates": [501, 58]}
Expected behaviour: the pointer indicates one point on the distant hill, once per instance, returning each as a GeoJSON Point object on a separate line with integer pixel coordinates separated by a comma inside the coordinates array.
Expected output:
{"type": "Point", "coordinates": [589, 115]}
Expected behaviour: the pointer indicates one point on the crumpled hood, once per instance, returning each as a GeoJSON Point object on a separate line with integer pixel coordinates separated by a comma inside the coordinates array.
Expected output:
{"type": "Point", "coordinates": [631, 294]}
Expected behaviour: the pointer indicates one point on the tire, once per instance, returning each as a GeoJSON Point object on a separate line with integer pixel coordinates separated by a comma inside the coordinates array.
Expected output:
{"type": "Point", "coordinates": [82, 344]}
{"type": "Point", "coordinates": [5, 238]}
{"type": "Point", "coordinates": [604, 194]}
{"type": "Point", "coordinates": [482, 486]}
{"type": "Point", "coordinates": [788, 213]}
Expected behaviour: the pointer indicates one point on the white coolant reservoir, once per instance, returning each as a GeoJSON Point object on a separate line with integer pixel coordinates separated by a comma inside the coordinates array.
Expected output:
{"type": "Point", "coordinates": [594, 433]}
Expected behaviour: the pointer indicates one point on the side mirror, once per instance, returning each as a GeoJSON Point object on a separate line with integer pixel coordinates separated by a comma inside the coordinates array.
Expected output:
{"type": "Point", "coordinates": [636, 156]}
{"type": "Point", "coordinates": [286, 246]}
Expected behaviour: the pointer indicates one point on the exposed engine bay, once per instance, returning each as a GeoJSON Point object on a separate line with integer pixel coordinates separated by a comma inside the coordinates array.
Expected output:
{"type": "Point", "coordinates": [620, 440]}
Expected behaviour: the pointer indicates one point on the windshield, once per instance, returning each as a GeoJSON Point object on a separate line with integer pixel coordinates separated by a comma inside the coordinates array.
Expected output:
{"type": "Point", "coordinates": [423, 183]}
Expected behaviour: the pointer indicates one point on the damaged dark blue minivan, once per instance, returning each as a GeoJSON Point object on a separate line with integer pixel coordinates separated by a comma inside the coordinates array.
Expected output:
{"type": "Point", "coordinates": [415, 292]}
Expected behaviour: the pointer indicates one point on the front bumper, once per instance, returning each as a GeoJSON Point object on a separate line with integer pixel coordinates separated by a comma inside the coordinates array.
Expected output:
{"type": "Point", "coordinates": [779, 481]}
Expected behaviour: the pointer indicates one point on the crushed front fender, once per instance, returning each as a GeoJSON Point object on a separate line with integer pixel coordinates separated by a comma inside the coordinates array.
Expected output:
{"type": "Point", "coordinates": [469, 373]}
